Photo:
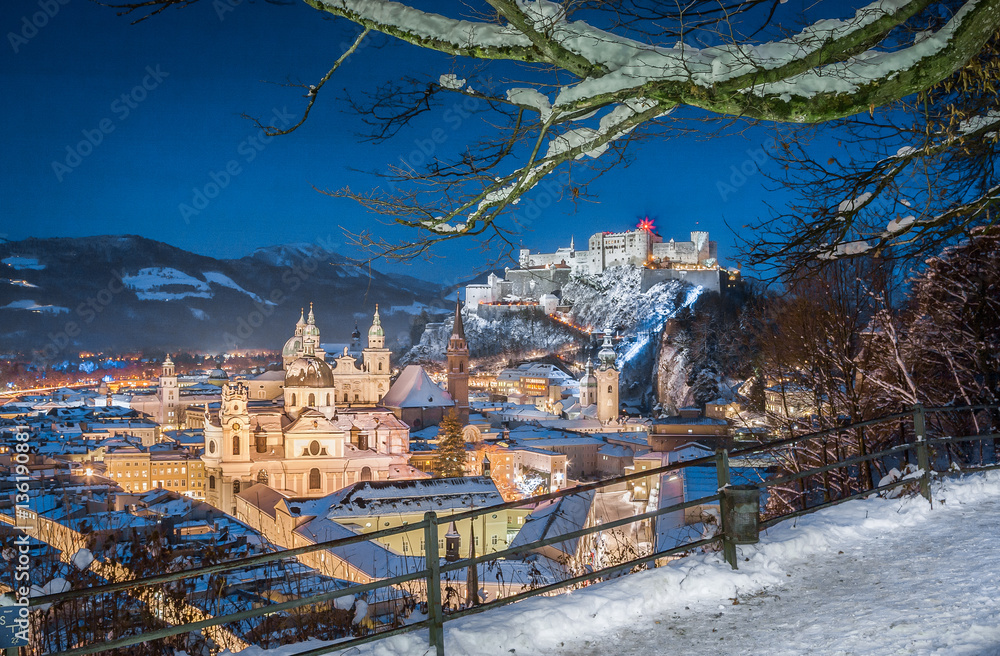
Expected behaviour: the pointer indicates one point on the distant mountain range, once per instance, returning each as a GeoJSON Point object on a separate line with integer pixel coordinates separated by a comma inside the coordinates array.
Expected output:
{"type": "Point", "coordinates": [62, 296]}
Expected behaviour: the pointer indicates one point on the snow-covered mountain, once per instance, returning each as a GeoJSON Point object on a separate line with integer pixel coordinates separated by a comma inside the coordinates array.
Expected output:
{"type": "Point", "coordinates": [61, 296]}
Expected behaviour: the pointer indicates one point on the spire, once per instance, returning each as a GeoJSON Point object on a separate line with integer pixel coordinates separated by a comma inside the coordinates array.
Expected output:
{"type": "Point", "coordinates": [312, 317]}
{"type": "Point", "coordinates": [607, 353]}
{"type": "Point", "coordinates": [571, 243]}
{"type": "Point", "coordinates": [376, 335]}
{"type": "Point", "coordinates": [459, 327]}
{"type": "Point", "coordinates": [302, 317]}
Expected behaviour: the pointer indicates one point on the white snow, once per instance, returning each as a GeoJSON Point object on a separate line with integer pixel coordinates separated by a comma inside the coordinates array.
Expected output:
{"type": "Point", "coordinates": [20, 263]}
{"type": "Point", "coordinates": [82, 559]}
{"type": "Point", "coordinates": [33, 306]}
{"type": "Point", "coordinates": [223, 280]}
{"type": "Point", "coordinates": [874, 576]}
{"type": "Point", "coordinates": [451, 81]}
{"type": "Point", "coordinates": [148, 285]}
{"type": "Point", "coordinates": [899, 225]}
{"type": "Point", "coordinates": [531, 98]}
{"type": "Point", "coordinates": [854, 204]}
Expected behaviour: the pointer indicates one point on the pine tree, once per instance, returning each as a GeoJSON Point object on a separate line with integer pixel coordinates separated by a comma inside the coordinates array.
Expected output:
{"type": "Point", "coordinates": [450, 460]}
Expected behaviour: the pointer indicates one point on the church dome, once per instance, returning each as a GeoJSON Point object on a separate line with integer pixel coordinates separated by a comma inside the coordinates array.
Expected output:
{"type": "Point", "coordinates": [589, 379]}
{"type": "Point", "coordinates": [218, 374]}
{"type": "Point", "coordinates": [309, 371]}
{"type": "Point", "coordinates": [607, 353]}
{"type": "Point", "coordinates": [292, 347]}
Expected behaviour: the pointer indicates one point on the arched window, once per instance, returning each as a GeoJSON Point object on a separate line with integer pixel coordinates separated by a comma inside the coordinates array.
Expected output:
{"type": "Point", "coordinates": [366, 473]}
{"type": "Point", "coordinates": [312, 400]}
{"type": "Point", "coordinates": [293, 398]}
{"type": "Point", "coordinates": [328, 399]}
{"type": "Point", "coordinates": [380, 366]}
{"type": "Point", "coordinates": [345, 397]}
{"type": "Point", "coordinates": [236, 487]}
{"type": "Point", "coordinates": [314, 480]}
{"type": "Point", "coordinates": [211, 482]}
{"type": "Point", "coordinates": [609, 389]}
{"type": "Point", "coordinates": [260, 440]}
{"type": "Point", "coordinates": [461, 367]}
{"type": "Point", "coordinates": [262, 476]}
{"type": "Point", "coordinates": [236, 445]}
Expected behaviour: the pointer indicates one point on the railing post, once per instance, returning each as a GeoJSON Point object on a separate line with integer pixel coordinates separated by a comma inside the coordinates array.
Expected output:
{"type": "Point", "coordinates": [433, 561]}
{"type": "Point", "coordinates": [722, 474]}
{"type": "Point", "coordinates": [923, 458]}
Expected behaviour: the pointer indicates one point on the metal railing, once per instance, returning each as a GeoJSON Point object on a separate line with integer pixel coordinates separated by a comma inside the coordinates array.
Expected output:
{"type": "Point", "coordinates": [433, 574]}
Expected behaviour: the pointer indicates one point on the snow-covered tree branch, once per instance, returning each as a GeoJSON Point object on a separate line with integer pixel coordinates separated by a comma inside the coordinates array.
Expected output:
{"type": "Point", "coordinates": [605, 70]}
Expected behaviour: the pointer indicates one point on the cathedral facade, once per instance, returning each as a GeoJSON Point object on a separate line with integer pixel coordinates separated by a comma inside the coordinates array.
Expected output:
{"type": "Point", "coordinates": [326, 435]}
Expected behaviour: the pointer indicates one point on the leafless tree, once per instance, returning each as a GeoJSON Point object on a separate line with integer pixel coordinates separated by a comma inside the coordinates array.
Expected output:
{"type": "Point", "coordinates": [604, 72]}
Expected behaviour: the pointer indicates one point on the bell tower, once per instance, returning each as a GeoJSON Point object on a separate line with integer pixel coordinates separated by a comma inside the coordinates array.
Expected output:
{"type": "Point", "coordinates": [375, 359]}
{"type": "Point", "coordinates": [458, 366]}
{"type": "Point", "coordinates": [235, 420]}
{"type": "Point", "coordinates": [607, 382]}
{"type": "Point", "coordinates": [168, 395]}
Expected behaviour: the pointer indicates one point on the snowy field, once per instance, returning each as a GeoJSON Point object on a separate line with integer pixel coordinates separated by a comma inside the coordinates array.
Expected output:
{"type": "Point", "coordinates": [879, 576]}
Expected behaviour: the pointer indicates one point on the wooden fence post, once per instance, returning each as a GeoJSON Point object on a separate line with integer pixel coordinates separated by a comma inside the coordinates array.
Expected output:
{"type": "Point", "coordinates": [923, 457]}
{"type": "Point", "coordinates": [433, 561]}
{"type": "Point", "coordinates": [722, 476]}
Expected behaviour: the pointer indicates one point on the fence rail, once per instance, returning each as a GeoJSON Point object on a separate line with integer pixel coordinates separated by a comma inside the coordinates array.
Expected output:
{"type": "Point", "coordinates": [433, 574]}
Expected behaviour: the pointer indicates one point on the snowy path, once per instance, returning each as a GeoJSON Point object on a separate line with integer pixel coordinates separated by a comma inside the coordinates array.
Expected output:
{"type": "Point", "coordinates": [909, 592]}
{"type": "Point", "coordinates": [873, 577]}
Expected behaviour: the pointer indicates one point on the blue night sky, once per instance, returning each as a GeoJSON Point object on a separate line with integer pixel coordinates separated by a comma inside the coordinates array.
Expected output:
{"type": "Point", "coordinates": [202, 72]}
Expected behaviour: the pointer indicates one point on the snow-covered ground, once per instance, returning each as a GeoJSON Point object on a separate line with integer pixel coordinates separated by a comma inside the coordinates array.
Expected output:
{"type": "Point", "coordinates": [879, 576]}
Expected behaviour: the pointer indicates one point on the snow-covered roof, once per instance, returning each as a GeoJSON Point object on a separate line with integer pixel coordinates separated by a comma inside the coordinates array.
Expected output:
{"type": "Point", "coordinates": [372, 498]}
{"type": "Point", "coordinates": [415, 389]}
{"type": "Point", "coordinates": [555, 518]}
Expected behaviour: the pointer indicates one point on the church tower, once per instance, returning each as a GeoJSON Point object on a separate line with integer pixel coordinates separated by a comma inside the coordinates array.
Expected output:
{"type": "Point", "coordinates": [168, 396]}
{"type": "Point", "coordinates": [588, 386]}
{"type": "Point", "coordinates": [607, 382]}
{"type": "Point", "coordinates": [375, 360]}
{"type": "Point", "coordinates": [458, 366]}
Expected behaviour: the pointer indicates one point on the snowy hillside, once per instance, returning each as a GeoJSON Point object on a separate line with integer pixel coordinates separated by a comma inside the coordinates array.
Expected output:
{"type": "Point", "coordinates": [515, 334]}
{"type": "Point", "coordinates": [869, 577]}
{"type": "Point", "coordinates": [614, 300]}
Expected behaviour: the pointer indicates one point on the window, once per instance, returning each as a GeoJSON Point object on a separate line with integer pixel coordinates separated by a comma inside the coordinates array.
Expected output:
{"type": "Point", "coordinates": [328, 399]}
{"type": "Point", "coordinates": [260, 441]}
{"type": "Point", "coordinates": [211, 482]}
{"type": "Point", "coordinates": [380, 366]}
{"type": "Point", "coordinates": [314, 479]}
{"type": "Point", "coordinates": [494, 540]}
{"type": "Point", "coordinates": [461, 367]}
{"type": "Point", "coordinates": [345, 397]}
{"type": "Point", "coordinates": [236, 487]}
{"type": "Point", "coordinates": [406, 547]}
{"type": "Point", "coordinates": [236, 445]}
{"type": "Point", "coordinates": [366, 472]}
{"type": "Point", "coordinates": [314, 448]}
{"type": "Point", "coordinates": [293, 398]}
{"type": "Point", "coordinates": [312, 400]}
{"type": "Point", "coordinates": [609, 389]}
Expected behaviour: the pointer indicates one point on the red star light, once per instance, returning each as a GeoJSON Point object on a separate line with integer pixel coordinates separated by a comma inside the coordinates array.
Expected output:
{"type": "Point", "coordinates": [646, 224]}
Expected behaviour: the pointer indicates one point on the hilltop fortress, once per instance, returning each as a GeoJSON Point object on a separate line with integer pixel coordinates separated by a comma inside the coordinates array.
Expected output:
{"type": "Point", "coordinates": [541, 276]}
